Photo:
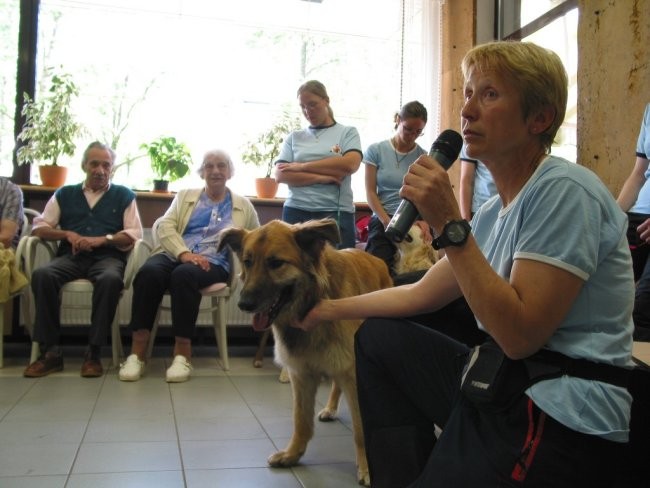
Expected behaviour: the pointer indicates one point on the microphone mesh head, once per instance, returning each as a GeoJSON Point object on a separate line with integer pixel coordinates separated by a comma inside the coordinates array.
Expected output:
{"type": "Point", "coordinates": [449, 143]}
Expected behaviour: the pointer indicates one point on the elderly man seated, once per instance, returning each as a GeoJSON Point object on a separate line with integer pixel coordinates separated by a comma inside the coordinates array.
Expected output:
{"type": "Point", "coordinates": [97, 223]}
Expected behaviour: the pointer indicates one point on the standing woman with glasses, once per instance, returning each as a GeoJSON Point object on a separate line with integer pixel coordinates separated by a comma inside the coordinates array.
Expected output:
{"type": "Point", "coordinates": [317, 164]}
{"type": "Point", "coordinates": [386, 164]}
{"type": "Point", "coordinates": [185, 262]}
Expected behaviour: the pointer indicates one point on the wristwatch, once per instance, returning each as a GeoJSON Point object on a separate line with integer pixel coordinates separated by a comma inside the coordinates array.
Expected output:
{"type": "Point", "coordinates": [454, 233]}
{"type": "Point", "coordinates": [109, 238]}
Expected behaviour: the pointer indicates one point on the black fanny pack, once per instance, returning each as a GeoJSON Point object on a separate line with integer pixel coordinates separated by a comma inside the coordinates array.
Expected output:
{"type": "Point", "coordinates": [493, 381]}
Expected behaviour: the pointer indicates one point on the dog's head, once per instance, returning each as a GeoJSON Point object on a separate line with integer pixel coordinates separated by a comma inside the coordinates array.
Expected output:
{"type": "Point", "coordinates": [413, 253]}
{"type": "Point", "coordinates": [281, 267]}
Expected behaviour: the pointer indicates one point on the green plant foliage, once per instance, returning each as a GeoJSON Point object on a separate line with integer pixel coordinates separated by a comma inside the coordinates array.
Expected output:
{"type": "Point", "coordinates": [170, 159]}
{"type": "Point", "coordinates": [50, 127]}
{"type": "Point", "coordinates": [263, 150]}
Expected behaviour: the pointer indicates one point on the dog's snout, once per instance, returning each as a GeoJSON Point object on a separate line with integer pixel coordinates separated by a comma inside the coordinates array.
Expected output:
{"type": "Point", "coordinates": [246, 303]}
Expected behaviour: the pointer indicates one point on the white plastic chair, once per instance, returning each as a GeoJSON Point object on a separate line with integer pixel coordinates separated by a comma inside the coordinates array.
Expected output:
{"type": "Point", "coordinates": [214, 301]}
{"type": "Point", "coordinates": [24, 231]}
{"type": "Point", "coordinates": [38, 251]}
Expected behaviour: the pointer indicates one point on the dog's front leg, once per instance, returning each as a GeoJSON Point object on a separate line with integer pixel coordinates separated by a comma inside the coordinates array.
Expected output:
{"type": "Point", "coordinates": [304, 388]}
{"type": "Point", "coordinates": [349, 386]}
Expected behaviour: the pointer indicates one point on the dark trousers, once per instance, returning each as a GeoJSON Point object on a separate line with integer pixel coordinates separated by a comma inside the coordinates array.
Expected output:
{"type": "Point", "coordinates": [344, 220]}
{"type": "Point", "coordinates": [106, 275]}
{"type": "Point", "coordinates": [378, 244]}
{"type": "Point", "coordinates": [641, 266]}
{"type": "Point", "coordinates": [184, 281]}
{"type": "Point", "coordinates": [408, 381]}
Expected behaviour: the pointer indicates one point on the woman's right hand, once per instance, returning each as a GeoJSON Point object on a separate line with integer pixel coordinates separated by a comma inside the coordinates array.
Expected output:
{"type": "Point", "coordinates": [644, 230]}
{"type": "Point", "coordinates": [195, 259]}
{"type": "Point", "coordinates": [313, 318]}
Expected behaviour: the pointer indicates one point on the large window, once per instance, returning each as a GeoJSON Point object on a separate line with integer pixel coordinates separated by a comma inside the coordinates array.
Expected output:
{"type": "Point", "coordinates": [9, 21]}
{"type": "Point", "coordinates": [216, 73]}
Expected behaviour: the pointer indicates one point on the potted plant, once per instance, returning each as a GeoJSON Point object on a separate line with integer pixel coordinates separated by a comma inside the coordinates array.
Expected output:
{"type": "Point", "coordinates": [170, 160]}
{"type": "Point", "coordinates": [263, 151]}
{"type": "Point", "coordinates": [50, 130]}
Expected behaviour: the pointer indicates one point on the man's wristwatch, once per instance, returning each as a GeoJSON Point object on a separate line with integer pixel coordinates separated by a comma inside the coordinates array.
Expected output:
{"type": "Point", "coordinates": [109, 238]}
{"type": "Point", "coordinates": [454, 233]}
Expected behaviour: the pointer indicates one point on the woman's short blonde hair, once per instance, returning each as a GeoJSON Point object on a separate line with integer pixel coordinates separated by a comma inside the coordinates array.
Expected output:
{"type": "Point", "coordinates": [537, 73]}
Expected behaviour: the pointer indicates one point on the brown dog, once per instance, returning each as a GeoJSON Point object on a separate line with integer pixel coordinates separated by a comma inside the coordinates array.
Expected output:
{"type": "Point", "coordinates": [287, 269]}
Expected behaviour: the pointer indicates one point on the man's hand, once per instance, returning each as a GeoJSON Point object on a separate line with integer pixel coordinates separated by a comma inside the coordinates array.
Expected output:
{"type": "Point", "coordinates": [85, 243]}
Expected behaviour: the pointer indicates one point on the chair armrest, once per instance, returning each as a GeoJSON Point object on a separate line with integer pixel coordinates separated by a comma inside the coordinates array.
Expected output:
{"type": "Point", "coordinates": [29, 250]}
{"type": "Point", "coordinates": [137, 256]}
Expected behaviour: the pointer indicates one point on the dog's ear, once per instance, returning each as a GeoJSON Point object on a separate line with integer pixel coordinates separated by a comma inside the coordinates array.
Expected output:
{"type": "Point", "coordinates": [312, 235]}
{"type": "Point", "coordinates": [231, 237]}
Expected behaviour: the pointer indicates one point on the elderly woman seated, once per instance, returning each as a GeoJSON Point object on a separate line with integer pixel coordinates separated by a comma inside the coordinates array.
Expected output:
{"type": "Point", "coordinates": [185, 262]}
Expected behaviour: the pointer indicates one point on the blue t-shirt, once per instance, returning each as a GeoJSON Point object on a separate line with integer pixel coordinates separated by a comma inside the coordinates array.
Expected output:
{"type": "Point", "coordinates": [566, 217]}
{"type": "Point", "coordinates": [391, 167]}
{"type": "Point", "coordinates": [484, 187]}
{"type": "Point", "coordinates": [207, 220]}
{"type": "Point", "coordinates": [642, 204]}
{"type": "Point", "coordinates": [312, 144]}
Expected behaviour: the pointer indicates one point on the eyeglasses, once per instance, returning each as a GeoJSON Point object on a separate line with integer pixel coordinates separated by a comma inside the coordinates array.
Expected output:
{"type": "Point", "coordinates": [410, 130]}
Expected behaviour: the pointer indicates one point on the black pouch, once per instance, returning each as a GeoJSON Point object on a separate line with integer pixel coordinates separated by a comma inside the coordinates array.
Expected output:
{"type": "Point", "coordinates": [491, 380]}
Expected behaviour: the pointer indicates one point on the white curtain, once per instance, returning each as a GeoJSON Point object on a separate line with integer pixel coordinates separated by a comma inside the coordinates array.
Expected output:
{"type": "Point", "coordinates": [422, 60]}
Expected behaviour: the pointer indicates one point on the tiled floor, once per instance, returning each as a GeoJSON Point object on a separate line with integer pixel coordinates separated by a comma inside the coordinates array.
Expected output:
{"type": "Point", "coordinates": [216, 430]}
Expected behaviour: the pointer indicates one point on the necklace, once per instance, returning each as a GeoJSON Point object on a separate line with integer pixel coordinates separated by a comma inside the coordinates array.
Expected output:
{"type": "Point", "coordinates": [319, 131]}
{"type": "Point", "coordinates": [399, 160]}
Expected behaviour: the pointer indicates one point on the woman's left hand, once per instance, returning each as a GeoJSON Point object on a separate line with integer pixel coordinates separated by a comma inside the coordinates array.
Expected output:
{"type": "Point", "coordinates": [289, 167]}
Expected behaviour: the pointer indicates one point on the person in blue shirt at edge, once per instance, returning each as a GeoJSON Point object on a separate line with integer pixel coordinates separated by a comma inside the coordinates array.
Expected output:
{"type": "Point", "coordinates": [317, 164]}
{"type": "Point", "coordinates": [476, 185]}
{"type": "Point", "coordinates": [97, 223]}
{"type": "Point", "coordinates": [386, 163]}
{"type": "Point", "coordinates": [544, 266]}
{"type": "Point", "coordinates": [634, 199]}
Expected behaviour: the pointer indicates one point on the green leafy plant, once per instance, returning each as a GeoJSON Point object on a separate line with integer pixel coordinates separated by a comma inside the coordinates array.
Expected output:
{"type": "Point", "coordinates": [170, 159]}
{"type": "Point", "coordinates": [263, 150]}
{"type": "Point", "coordinates": [50, 127]}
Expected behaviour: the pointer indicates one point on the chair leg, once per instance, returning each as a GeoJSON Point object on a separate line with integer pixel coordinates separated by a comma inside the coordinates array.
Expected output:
{"type": "Point", "coordinates": [116, 339]}
{"type": "Point", "coordinates": [36, 352]}
{"type": "Point", "coordinates": [220, 332]}
{"type": "Point", "coordinates": [152, 335]}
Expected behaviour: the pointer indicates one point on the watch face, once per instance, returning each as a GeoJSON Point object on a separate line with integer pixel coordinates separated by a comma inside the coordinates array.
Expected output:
{"type": "Point", "coordinates": [456, 232]}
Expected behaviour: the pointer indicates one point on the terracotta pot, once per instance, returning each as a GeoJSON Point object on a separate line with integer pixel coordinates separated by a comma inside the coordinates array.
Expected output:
{"type": "Point", "coordinates": [160, 186]}
{"type": "Point", "coordinates": [52, 176]}
{"type": "Point", "coordinates": [266, 187]}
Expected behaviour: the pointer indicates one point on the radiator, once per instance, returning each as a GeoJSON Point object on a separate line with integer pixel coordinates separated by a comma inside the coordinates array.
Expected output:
{"type": "Point", "coordinates": [73, 316]}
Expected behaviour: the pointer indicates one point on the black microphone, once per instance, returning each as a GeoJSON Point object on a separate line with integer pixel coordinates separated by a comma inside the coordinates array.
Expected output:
{"type": "Point", "coordinates": [444, 150]}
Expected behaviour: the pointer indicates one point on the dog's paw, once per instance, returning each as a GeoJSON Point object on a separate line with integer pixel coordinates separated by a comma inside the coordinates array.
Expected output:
{"type": "Point", "coordinates": [363, 477]}
{"type": "Point", "coordinates": [284, 376]}
{"type": "Point", "coordinates": [327, 415]}
{"type": "Point", "coordinates": [283, 459]}
{"type": "Point", "coordinates": [257, 363]}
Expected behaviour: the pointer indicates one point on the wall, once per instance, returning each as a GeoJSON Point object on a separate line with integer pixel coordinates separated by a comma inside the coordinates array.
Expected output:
{"type": "Point", "coordinates": [613, 79]}
{"type": "Point", "coordinates": [458, 34]}
{"type": "Point", "coordinates": [613, 84]}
